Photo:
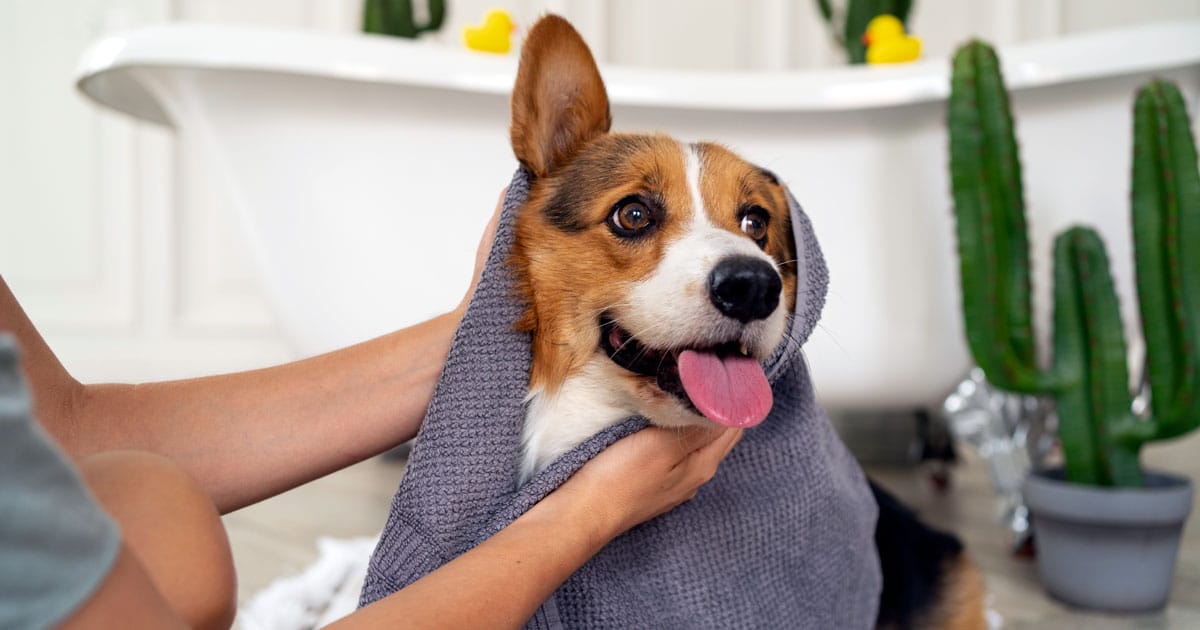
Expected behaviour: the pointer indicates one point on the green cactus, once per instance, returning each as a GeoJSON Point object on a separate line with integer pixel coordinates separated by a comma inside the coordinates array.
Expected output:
{"type": "Point", "coordinates": [395, 17]}
{"type": "Point", "coordinates": [1088, 377]}
{"type": "Point", "coordinates": [858, 14]}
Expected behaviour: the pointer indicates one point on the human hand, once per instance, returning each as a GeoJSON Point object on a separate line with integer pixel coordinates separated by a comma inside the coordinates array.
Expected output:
{"type": "Point", "coordinates": [481, 253]}
{"type": "Point", "coordinates": [644, 475]}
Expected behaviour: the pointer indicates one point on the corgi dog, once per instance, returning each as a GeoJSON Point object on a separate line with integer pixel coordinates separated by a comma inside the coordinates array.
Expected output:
{"type": "Point", "coordinates": [657, 276]}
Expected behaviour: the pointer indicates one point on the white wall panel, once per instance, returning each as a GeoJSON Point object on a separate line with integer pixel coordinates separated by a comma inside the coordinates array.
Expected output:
{"type": "Point", "coordinates": [296, 13]}
{"type": "Point", "coordinates": [67, 187]}
{"type": "Point", "coordinates": [1088, 15]}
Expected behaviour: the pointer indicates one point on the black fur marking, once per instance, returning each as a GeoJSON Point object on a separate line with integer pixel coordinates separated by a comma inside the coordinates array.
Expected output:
{"type": "Point", "coordinates": [913, 557]}
{"type": "Point", "coordinates": [769, 175]}
{"type": "Point", "coordinates": [592, 170]}
{"type": "Point", "coordinates": [562, 211]}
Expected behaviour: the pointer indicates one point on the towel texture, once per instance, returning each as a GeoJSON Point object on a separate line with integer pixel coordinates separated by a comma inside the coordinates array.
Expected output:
{"type": "Point", "coordinates": [782, 537]}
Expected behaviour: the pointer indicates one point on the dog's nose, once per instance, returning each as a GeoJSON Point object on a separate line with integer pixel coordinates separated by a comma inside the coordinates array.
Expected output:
{"type": "Point", "coordinates": [744, 288]}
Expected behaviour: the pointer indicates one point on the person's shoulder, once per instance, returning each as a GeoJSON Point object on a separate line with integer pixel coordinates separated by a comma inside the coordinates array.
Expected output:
{"type": "Point", "coordinates": [56, 544]}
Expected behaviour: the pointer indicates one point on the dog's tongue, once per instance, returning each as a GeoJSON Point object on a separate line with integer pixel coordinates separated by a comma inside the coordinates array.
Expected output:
{"type": "Point", "coordinates": [732, 391]}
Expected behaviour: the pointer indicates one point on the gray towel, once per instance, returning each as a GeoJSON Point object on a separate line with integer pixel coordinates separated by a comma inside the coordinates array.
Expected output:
{"type": "Point", "coordinates": [782, 537]}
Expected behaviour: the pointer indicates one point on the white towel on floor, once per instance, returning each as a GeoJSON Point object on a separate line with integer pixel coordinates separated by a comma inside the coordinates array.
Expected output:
{"type": "Point", "coordinates": [325, 592]}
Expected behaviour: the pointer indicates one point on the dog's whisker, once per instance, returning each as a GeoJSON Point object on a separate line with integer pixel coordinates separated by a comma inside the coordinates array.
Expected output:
{"type": "Point", "coordinates": [833, 338]}
{"type": "Point", "coordinates": [645, 348]}
{"type": "Point", "coordinates": [634, 338]}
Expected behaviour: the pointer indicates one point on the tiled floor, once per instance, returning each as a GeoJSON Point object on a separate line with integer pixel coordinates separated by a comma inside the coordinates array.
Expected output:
{"type": "Point", "coordinates": [277, 537]}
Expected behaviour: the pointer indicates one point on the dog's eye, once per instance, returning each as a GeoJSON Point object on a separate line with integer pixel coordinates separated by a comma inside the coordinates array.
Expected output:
{"type": "Point", "coordinates": [754, 224]}
{"type": "Point", "coordinates": [630, 218]}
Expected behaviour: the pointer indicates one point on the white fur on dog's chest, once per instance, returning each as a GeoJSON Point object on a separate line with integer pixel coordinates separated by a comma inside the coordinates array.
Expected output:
{"type": "Point", "coordinates": [585, 404]}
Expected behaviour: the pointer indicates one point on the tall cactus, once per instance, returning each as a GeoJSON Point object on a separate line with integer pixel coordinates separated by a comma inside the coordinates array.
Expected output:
{"type": "Point", "coordinates": [1166, 233]}
{"type": "Point", "coordinates": [1088, 376]}
{"type": "Point", "coordinates": [395, 17]}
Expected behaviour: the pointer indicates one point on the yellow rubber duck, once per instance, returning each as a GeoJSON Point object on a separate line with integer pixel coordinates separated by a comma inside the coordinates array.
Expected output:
{"type": "Point", "coordinates": [494, 35]}
{"type": "Point", "coordinates": [886, 41]}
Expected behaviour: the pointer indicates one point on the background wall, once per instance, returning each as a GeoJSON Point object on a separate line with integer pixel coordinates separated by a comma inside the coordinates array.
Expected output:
{"type": "Point", "coordinates": [135, 268]}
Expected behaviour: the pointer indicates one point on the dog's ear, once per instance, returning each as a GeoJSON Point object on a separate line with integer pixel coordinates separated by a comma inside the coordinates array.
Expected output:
{"type": "Point", "coordinates": [558, 102]}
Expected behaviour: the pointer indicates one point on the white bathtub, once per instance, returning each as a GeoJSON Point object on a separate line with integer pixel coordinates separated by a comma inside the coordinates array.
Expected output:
{"type": "Point", "coordinates": [364, 168]}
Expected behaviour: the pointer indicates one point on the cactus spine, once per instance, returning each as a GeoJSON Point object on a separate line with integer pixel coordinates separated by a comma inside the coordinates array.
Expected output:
{"type": "Point", "coordinates": [1088, 376]}
{"type": "Point", "coordinates": [395, 17]}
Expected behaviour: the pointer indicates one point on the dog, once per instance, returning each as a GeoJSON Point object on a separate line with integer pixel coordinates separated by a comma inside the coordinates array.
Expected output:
{"type": "Point", "coordinates": [642, 298]}
{"type": "Point", "coordinates": [657, 276]}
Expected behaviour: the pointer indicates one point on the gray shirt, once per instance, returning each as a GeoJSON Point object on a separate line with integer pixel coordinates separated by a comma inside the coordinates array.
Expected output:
{"type": "Point", "coordinates": [56, 544]}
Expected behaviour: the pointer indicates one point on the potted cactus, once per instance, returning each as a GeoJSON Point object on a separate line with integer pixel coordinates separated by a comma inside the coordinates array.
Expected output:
{"type": "Point", "coordinates": [1107, 530]}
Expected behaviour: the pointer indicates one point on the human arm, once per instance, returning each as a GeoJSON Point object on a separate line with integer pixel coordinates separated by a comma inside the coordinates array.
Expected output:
{"type": "Point", "coordinates": [251, 435]}
{"type": "Point", "coordinates": [503, 581]}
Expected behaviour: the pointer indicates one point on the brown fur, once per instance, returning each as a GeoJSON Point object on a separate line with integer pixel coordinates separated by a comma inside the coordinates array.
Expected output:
{"type": "Point", "coordinates": [962, 603]}
{"type": "Point", "coordinates": [558, 102]}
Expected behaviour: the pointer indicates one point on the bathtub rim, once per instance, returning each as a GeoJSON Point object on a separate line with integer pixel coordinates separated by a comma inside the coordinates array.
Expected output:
{"type": "Point", "coordinates": [108, 74]}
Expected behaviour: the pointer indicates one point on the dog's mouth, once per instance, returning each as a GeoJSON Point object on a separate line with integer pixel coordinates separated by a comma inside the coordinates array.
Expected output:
{"type": "Point", "coordinates": [722, 383]}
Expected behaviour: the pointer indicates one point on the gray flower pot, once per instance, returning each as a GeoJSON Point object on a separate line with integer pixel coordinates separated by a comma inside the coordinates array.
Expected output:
{"type": "Point", "coordinates": [1108, 548]}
